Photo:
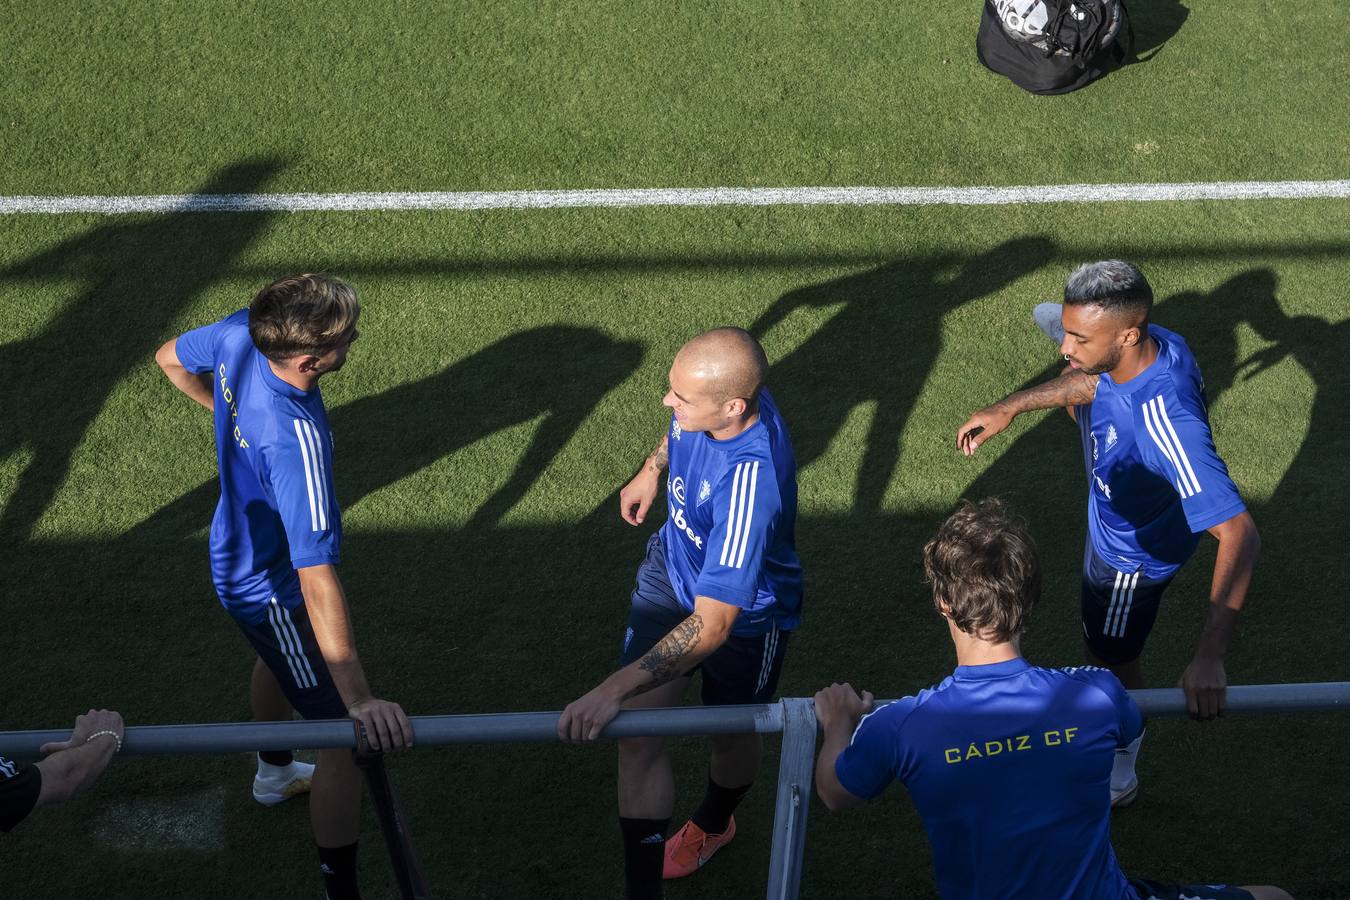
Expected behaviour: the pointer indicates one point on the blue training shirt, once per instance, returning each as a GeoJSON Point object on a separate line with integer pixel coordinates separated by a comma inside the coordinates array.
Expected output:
{"type": "Point", "coordinates": [733, 511]}
{"type": "Point", "coordinates": [276, 513]}
{"type": "Point", "coordinates": [1155, 479]}
{"type": "Point", "coordinates": [1009, 766]}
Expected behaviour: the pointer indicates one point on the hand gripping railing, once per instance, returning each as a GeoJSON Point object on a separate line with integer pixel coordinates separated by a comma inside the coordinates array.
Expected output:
{"type": "Point", "coordinates": [794, 717]}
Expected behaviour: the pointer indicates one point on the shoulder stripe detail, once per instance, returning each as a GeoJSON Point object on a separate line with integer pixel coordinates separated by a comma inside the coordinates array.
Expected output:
{"type": "Point", "coordinates": [7, 768]}
{"type": "Point", "coordinates": [311, 449]}
{"type": "Point", "coordinates": [1181, 450]}
{"type": "Point", "coordinates": [859, 726]}
{"type": "Point", "coordinates": [309, 474]}
{"type": "Point", "coordinates": [320, 482]}
{"type": "Point", "coordinates": [753, 477]}
{"type": "Point", "coordinates": [740, 514]}
{"type": "Point", "coordinates": [731, 515]}
{"type": "Point", "coordinates": [1164, 440]}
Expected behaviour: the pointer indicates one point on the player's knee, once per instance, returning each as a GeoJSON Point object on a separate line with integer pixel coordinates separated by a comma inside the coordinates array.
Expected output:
{"type": "Point", "coordinates": [736, 744]}
{"type": "Point", "coordinates": [640, 753]}
{"type": "Point", "coordinates": [336, 761]}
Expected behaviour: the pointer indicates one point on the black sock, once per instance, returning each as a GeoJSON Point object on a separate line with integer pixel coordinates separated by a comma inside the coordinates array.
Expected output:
{"type": "Point", "coordinates": [714, 813]}
{"type": "Point", "coordinates": [276, 757]}
{"type": "Point", "coordinates": [338, 865]}
{"type": "Point", "coordinates": [644, 856]}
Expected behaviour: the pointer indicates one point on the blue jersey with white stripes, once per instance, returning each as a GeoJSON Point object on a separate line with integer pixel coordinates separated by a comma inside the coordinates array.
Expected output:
{"type": "Point", "coordinates": [1009, 766]}
{"type": "Point", "coordinates": [733, 511]}
{"type": "Point", "coordinates": [1155, 479]}
{"type": "Point", "coordinates": [276, 513]}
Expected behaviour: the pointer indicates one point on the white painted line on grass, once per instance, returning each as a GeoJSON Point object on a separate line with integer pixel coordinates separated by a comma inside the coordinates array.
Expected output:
{"type": "Point", "coordinates": [723, 196]}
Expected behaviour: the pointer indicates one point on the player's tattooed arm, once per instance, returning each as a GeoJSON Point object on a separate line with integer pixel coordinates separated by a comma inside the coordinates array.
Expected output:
{"type": "Point", "coordinates": [670, 657]}
{"type": "Point", "coordinates": [1072, 388]}
{"type": "Point", "coordinates": [660, 457]}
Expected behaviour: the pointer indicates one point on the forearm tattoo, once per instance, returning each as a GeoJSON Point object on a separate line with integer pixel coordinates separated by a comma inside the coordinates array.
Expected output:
{"type": "Point", "coordinates": [1069, 389]}
{"type": "Point", "coordinates": [660, 456]}
{"type": "Point", "coordinates": [663, 660]}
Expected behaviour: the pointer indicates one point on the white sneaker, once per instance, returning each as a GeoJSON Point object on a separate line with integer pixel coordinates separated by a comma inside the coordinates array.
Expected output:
{"type": "Point", "coordinates": [1048, 319]}
{"type": "Point", "coordinates": [1125, 796]}
{"type": "Point", "coordinates": [277, 784]}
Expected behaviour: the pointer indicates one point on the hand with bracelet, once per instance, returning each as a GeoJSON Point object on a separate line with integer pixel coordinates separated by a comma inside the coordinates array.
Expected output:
{"type": "Point", "coordinates": [70, 767]}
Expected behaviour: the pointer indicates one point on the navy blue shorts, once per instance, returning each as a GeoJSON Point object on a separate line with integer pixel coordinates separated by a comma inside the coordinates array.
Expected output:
{"type": "Point", "coordinates": [1152, 890]}
{"type": "Point", "coordinates": [743, 670]}
{"type": "Point", "coordinates": [20, 786]}
{"type": "Point", "coordinates": [1118, 608]}
{"type": "Point", "coordinates": [286, 643]}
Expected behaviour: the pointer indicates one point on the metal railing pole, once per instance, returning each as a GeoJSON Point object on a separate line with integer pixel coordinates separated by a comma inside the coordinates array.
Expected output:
{"type": "Point", "coordinates": [795, 765]}
{"type": "Point", "coordinates": [428, 731]}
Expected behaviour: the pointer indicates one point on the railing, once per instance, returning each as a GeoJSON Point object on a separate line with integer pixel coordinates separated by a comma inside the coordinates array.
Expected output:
{"type": "Point", "coordinates": [794, 717]}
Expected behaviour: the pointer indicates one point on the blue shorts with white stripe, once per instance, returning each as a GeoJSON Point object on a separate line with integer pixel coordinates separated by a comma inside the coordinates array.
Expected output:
{"type": "Point", "coordinates": [1118, 607]}
{"type": "Point", "coordinates": [743, 670]}
{"type": "Point", "coordinates": [286, 643]}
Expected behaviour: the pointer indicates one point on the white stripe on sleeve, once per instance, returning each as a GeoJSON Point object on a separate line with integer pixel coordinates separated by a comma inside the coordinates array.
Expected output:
{"type": "Point", "coordinates": [309, 475]}
{"type": "Point", "coordinates": [1160, 438]}
{"type": "Point", "coordinates": [1181, 451]}
{"type": "Point", "coordinates": [753, 477]}
{"type": "Point", "coordinates": [320, 483]}
{"type": "Point", "coordinates": [731, 515]}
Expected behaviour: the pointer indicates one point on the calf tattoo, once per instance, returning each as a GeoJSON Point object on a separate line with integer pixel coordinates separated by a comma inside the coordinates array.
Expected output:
{"type": "Point", "coordinates": [663, 660]}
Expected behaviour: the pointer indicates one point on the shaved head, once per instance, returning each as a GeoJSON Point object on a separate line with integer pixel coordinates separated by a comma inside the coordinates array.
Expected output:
{"type": "Point", "coordinates": [727, 362]}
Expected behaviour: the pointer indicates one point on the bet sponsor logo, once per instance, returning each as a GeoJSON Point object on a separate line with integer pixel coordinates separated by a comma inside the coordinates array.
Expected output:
{"type": "Point", "coordinates": [681, 523]}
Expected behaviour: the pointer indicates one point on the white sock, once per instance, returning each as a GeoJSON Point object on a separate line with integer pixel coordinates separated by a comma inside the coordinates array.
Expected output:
{"type": "Point", "coordinates": [267, 770]}
{"type": "Point", "coordinates": [1122, 771]}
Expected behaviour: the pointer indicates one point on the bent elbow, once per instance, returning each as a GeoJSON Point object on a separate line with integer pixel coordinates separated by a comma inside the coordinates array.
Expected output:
{"type": "Point", "coordinates": [166, 357]}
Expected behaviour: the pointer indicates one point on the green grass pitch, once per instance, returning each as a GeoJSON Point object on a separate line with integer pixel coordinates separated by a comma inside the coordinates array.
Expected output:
{"type": "Point", "coordinates": [511, 366]}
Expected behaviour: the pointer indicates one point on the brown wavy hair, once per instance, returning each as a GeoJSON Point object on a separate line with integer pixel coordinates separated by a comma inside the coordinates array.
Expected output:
{"type": "Point", "coordinates": [984, 569]}
{"type": "Point", "coordinates": [303, 315]}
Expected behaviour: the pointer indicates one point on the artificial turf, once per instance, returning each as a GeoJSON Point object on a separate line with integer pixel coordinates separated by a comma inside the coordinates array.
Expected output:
{"type": "Point", "coordinates": [510, 368]}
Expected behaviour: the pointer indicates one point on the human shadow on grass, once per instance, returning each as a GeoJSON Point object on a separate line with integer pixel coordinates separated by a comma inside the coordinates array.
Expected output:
{"type": "Point", "coordinates": [138, 274]}
{"type": "Point", "coordinates": [880, 347]}
{"type": "Point", "coordinates": [558, 372]}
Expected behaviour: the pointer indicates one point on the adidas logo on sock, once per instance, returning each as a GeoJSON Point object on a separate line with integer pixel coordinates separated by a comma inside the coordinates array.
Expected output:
{"type": "Point", "coordinates": [656, 838]}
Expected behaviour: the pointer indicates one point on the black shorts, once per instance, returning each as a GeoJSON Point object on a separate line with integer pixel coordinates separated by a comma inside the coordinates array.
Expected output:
{"type": "Point", "coordinates": [286, 643]}
{"type": "Point", "coordinates": [743, 670]}
{"type": "Point", "coordinates": [20, 786]}
{"type": "Point", "coordinates": [1118, 608]}
{"type": "Point", "coordinates": [1152, 890]}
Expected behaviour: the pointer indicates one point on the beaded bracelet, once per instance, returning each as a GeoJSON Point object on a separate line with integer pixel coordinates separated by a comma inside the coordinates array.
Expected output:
{"type": "Point", "coordinates": [111, 734]}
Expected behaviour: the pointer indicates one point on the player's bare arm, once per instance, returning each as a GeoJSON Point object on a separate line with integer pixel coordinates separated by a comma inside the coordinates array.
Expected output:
{"type": "Point", "coordinates": [638, 495]}
{"type": "Point", "coordinates": [386, 726]}
{"type": "Point", "coordinates": [838, 710]}
{"type": "Point", "coordinates": [200, 388]}
{"type": "Point", "coordinates": [1072, 388]}
{"type": "Point", "coordinates": [1205, 681]}
{"type": "Point", "coordinates": [687, 644]}
{"type": "Point", "coordinates": [75, 763]}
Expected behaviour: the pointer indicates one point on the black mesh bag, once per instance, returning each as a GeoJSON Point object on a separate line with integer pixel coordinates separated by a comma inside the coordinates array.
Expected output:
{"type": "Point", "coordinates": [1054, 46]}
